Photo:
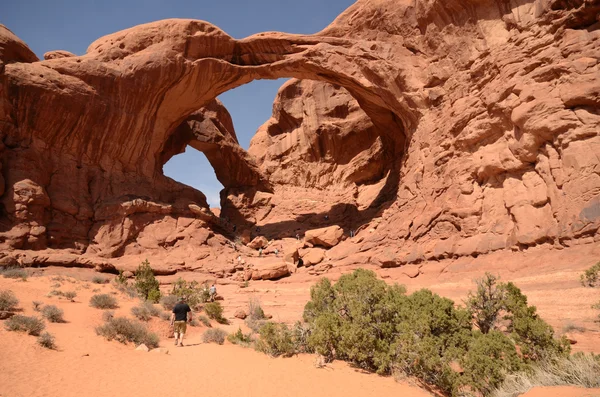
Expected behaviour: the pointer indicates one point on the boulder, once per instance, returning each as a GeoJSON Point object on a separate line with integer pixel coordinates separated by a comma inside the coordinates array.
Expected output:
{"type": "Point", "coordinates": [142, 348]}
{"type": "Point", "coordinates": [313, 256]}
{"type": "Point", "coordinates": [258, 242]}
{"type": "Point", "coordinates": [268, 269]}
{"type": "Point", "coordinates": [240, 313]}
{"type": "Point", "coordinates": [57, 54]}
{"type": "Point", "coordinates": [326, 237]}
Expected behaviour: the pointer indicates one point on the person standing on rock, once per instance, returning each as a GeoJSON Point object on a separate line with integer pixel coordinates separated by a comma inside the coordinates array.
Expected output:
{"type": "Point", "coordinates": [212, 292]}
{"type": "Point", "coordinates": [181, 313]}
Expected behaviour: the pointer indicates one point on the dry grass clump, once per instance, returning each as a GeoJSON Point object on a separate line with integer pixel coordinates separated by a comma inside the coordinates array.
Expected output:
{"type": "Point", "coordinates": [580, 369]}
{"type": "Point", "coordinates": [570, 327]}
{"type": "Point", "coordinates": [53, 314]}
{"type": "Point", "coordinates": [168, 301]}
{"type": "Point", "coordinates": [8, 301]}
{"type": "Point", "coordinates": [15, 272]}
{"type": "Point", "coordinates": [145, 311]}
{"type": "Point", "coordinates": [214, 335]}
{"type": "Point", "coordinates": [47, 340]}
{"type": "Point", "coordinates": [37, 305]}
{"type": "Point", "coordinates": [100, 280]}
{"type": "Point", "coordinates": [125, 330]}
{"type": "Point", "coordinates": [31, 325]}
{"type": "Point", "coordinates": [204, 320]}
{"type": "Point", "coordinates": [103, 301]}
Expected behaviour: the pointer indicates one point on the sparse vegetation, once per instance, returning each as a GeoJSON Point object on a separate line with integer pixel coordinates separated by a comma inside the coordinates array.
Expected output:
{"type": "Point", "coordinates": [379, 328]}
{"type": "Point", "coordinates": [214, 310]}
{"type": "Point", "coordinates": [103, 301]}
{"type": "Point", "coordinates": [570, 327]}
{"type": "Point", "coordinates": [146, 284]}
{"type": "Point", "coordinates": [165, 316]}
{"type": "Point", "coordinates": [15, 272]}
{"type": "Point", "coordinates": [145, 311]}
{"type": "Point", "coordinates": [31, 325]}
{"type": "Point", "coordinates": [107, 315]}
{"type": "Point", "coordinates": [591, 277]}
{"type": "Point", "coordinates": [578, 370]}
{"type": "Point", "coordinates": [275, 340]}
{"type": "Point", "coordinates": [8, 301]}
{"type": "Point", "coordinates": [239, 338]}
{"type": "Point", "coordinates": [126, 289]}
{"type": "Point", "coordinates": [100, 280]}
{"type": "Point", "coordinates": [204, 320]}
{"type": "Point", "coordinates": [53, 314]}
{"type": "Point", "coordinates": [255, 311]}
{"type": "Point", "coordinates": [214, 335]}
{"type": "Point", "coordinates": [194, 323]}
{"type": "Point", "coordinates": [37, 305]}
{"type": "Point", "coordinates": [46, 340]}
{"type": "Point", "coordinates": [70, 295]}
{"type": "Point", "coordinates": [168, 301]}
{"type": "Point", "coordinates": [125, 330]}
{"type": "Point", "coordinates": [193, 292]}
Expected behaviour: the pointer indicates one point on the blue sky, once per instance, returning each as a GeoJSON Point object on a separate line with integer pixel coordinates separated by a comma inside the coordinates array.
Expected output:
{"type": "Point", "coordinates": [73, 24]}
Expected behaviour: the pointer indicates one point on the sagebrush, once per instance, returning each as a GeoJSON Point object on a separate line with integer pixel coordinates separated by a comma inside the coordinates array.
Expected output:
{"type": "Point", "coordinates": [8, 301]}
{"type": "Point", "coordinates": [214, 335]}
{"type": "Point", "coordinates": [31, 325]}
{"type": "Point", "coordinates": [53, 314]}
{"type": "Point", "coordinates": [103, 301]}
{"type": "Point", "coordinates": [46, 340]}
{"type": "Point", "coordinates": [125, 330]}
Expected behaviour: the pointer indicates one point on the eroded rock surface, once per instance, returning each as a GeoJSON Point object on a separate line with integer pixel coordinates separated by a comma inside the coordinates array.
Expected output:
{"type": "Point", "coordinates": [437, 129]}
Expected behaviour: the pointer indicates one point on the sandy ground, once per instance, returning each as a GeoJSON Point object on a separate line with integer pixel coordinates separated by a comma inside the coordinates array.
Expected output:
{"type": "Point", "coordinates": [86, 364]}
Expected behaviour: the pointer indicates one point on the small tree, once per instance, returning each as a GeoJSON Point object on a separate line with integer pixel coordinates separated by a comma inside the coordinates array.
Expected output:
{"type": "Point", "coordinates": [487, 302]}
{"type": "Point", "coordinates": [146, 284]}
{"type": "Point", "coordinates": [591, 277]}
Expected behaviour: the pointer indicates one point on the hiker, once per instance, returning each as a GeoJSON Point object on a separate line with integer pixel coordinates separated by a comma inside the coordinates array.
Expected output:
{"type": "Point", "coordinates": [351, 233]}
{"type": "Point", "coordinates": [260, 252]}
{"type": "Point", "coordinates": [276, 251]}
{"type": "Point", "coordinates": [300, 262]}
{"type": "Point", "coordinates": [181, 313]}
{"type": "Point", "coordinates": [297, 237]}
{"type": "Point", "coordinates": [326, 217]}
{"type": "Point", "coordinates": [212, 292]}
{"type": "Point", "coordinates": [234, 228]}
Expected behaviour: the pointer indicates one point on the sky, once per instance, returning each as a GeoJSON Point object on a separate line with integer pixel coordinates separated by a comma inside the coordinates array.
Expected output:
{"type": "Point", "coordinates": [74, 24]}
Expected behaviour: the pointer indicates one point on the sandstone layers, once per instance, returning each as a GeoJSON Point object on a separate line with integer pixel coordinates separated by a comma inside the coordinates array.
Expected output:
{"type": "Point", "coordinates": [433, 129]}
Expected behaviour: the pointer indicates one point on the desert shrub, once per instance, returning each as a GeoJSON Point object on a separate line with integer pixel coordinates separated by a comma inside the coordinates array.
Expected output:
{"type": "Point", "coordinates": [53, 314]}
{"type": "Point", "coordinates": [14, 272]}
{"type": "Point", "coordinates": [578, 370]}
{"type": "Point", "coordinates": [214, 310]}
{"type": "Point", "coordinates": [192, 291]}
{"type": "Point", "coordinates": [145, 311]}
{"type": "Point", "coordinates": [37, 305]}
{"type": "Point", "coordinates": [300, 334]}
{"type": "Point", "coordinates": [489, 357]}
{"type": "Point", "coordinates": [8, 301]}
{"type": "Point", "coordinates": [70, 295]}
{"type": "Point", "coordinates": [165, 316]}
{"type": "Point", "coordinates": [487, 302]}
{"type": "Point", "coordinates": [275, 340]}
{"type": "Point", "coordinates": [570, 327]}
{"type": "Point", "coordinates": [107, 315]}
{"type": "Point", "coordinates": [125, 330]}
{"type": "Point", "coordinates": [255, 311]}
{"type": "Point", "coordinates": [46, 340]}
{"type": "Point", "coordinates": [596, 305]}
{"type": "Point", "coordinates": [204, 320]}
{"type": "Point", "coordinates": [99, 280]}
{"type": "Point", "coordinates": [121, 279]}
{"type": "Point", "coordinates": [103, 301]}
{"type": "Point", "coordinates": [31, 325]}
{"type": "Point", "coordinates": [145, 282]}
{"type": "Point", "coordinates": [126, 289]}
{"type": "Point", "coordinates": [379, 328]}
{"type": "Point", "coordinates": [168, 301]}
{"type": "Point", "coordinates": [591, 277]}
{"type": "Point", "coordinates": [239, 338]}
{"type": "Point", "coordinates": [533, 335]}
{"type": "Point", "coordinates": [194, 323]}
{"type": "Point", "coordinates": [214, 335]}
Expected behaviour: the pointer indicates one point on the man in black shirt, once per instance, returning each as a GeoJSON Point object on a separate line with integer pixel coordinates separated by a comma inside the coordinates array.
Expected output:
{"type": "Point", "coordinates": [181, 314]}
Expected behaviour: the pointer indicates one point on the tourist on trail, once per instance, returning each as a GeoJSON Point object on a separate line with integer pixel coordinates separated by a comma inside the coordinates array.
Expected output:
{"type": "Point", "coordinates": [260, 252]}
{"type": "Point", "coordinates": [212, 292]}
{"type": "Point", "coordinates": [297, 237]}
{"type": "Point", "coordinates": [351, 233]}
{"type": "Point", "coordinates": [276, 251]}
{"type": "Point", "coordinates": [181, 313]}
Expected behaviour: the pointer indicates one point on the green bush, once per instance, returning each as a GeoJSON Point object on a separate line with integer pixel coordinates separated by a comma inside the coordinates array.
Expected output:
{"type": "Point", "coordinates": [214, 310]}
{"type": "Point", "coordinates": [591, 276]}
{"type": "Point", "coordinates": [145, 311]}
{"type": "Point", "coordinates": [379, 328]}
{"type": "Point", "coordinates": [239, 338]}
{"type": "Point", "coordinates": [192, 291]}
{"type": "Point", "coordinates": [125, 330]}
{"type": "Point", "coordinates": [145, 283]}
{"type": "Point", "coordinates": [53, 314]}
{"type": "Point", "coordinates": [46, 340]}
{"type": "Point", "coordinates": [103, 301]}
{"type": "Point", "coordinates": [214, 335]}
{"type": "Point", "coordinates": [15, 272]}
{"type": "Point", "coordinates": [275, 340]}
{"type": "Point", "coordinates": [8, 301]}
{"type": "Point", "coordinates": [168, 301]}
{"type": "Point", "coordinates": [31, 325]}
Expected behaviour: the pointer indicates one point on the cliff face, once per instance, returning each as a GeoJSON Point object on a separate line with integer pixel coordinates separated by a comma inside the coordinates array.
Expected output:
{"type": "Point", "coordinates": [437, 129]}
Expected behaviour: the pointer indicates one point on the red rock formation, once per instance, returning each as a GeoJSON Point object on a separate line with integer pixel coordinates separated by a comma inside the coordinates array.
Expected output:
{"type": "Point", "coordinates": [478, 132]}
